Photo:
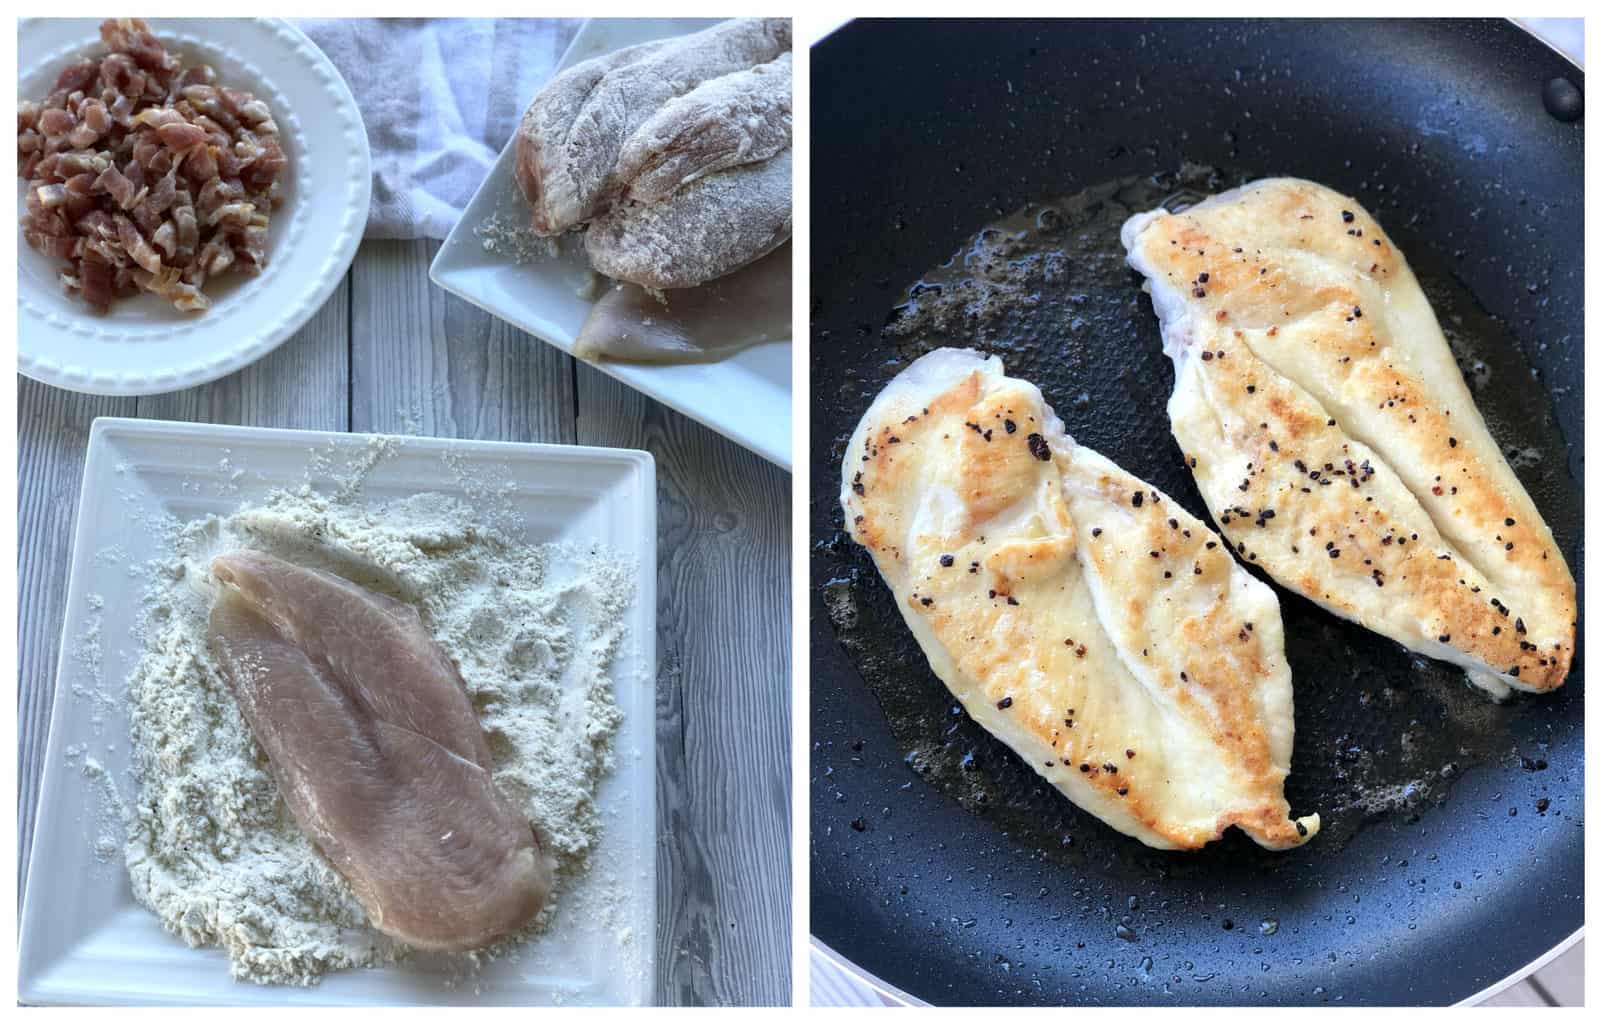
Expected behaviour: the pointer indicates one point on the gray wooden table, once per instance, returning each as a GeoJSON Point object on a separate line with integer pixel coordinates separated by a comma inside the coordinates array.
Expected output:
{"type": "Point", "coordinates": [390, 353]}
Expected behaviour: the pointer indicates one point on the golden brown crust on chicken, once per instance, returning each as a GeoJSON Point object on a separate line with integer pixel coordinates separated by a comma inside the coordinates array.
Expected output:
{"type": "Point", "coordinates": [1313, 381]}
{"type": "Point", "coordinates": [1079, 615]}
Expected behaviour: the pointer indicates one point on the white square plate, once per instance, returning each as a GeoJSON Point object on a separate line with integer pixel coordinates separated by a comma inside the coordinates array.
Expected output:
{"type": "Point", "coordinates": [84, 939]}
{"type": "Point", "coordinates": [745, 397]}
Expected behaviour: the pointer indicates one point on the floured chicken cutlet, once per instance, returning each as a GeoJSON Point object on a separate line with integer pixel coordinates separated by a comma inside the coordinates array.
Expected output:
{"type": "Point", "coordinates": [1333, 437]}
{"type": "Point", "coordinates": [1079, 615]}
{"type": "Point", "coordinates": [147, 176]}
{"type": "Point", "coordinates": [674, 159]}
{"type": "Point", "coordinates": [377, 752]}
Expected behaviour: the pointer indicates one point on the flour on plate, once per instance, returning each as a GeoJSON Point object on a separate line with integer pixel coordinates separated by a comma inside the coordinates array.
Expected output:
{"type": "Point", "coordinates": [211, 848]}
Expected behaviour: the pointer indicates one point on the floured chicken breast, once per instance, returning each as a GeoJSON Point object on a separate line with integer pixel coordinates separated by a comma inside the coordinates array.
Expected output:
{"type": "Point", "coordinates": [1079, 615]}
{"type": "Point", "coordinates": [709, 228]}
{"type": "Point", "coordinates": [725, 122]}
{"type": "Point", "coordinates": [377, 752]}
{"type": "Point", "coordinates": [572, 134]}
{"type": "Point", "coordinates": [1333, 437]}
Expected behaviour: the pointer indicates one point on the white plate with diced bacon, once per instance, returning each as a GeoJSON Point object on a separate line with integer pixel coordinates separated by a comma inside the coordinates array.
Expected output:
{"type": "Point", "coordinates": [170, 238]}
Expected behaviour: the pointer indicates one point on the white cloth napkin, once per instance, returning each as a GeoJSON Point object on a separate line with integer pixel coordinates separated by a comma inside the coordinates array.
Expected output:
{"type": "Point", "coordinates": [440, 97]}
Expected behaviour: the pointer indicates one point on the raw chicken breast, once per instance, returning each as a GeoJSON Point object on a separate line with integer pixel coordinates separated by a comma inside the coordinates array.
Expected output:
{"type": "Point", "coordinates": [1334, 439]}
{"type": "Point", "coordinates": [1079, 615]}
{"type": "Point", "coordinates": [687, 325]}
{"type": "Point", "coordinates": [377, 752]}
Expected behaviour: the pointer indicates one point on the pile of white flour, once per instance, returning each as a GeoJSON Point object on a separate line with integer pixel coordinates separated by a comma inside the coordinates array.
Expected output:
{"type": "Point", "coordinates": [211, 848]}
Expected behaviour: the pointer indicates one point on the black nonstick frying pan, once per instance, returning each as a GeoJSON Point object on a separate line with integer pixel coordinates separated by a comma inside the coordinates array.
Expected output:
{"type": "Point", "coordinates": [1452, 855]}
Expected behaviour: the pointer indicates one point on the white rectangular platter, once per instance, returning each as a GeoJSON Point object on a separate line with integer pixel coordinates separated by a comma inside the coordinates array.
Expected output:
{"type": "Point", "coordinates": [84, 940]}
{"type": "Point", "coordinates": [745, 397]}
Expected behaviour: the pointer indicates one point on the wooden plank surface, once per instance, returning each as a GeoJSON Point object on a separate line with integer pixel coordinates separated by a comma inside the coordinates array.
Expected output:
{"type": "Point", "coordinates": [429, 363]}
{"type": "Point", "coordinates": [390, 353]}
{"type": "Point", "coordinates": [723, 699]}
{"type": "Point", "coordinates": [1559, 983]}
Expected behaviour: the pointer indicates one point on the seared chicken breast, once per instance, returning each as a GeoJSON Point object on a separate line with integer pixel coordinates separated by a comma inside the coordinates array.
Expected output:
{"type": "Point", "coordinates": [1079, 615]}
{"type": "Point", "coordinates": [1334, 439]}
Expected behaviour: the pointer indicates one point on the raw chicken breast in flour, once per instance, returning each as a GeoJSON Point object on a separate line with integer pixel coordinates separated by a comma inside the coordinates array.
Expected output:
{"type": "Point", "coordinates": [377, 752]}
{"type": "Point", "coordinates": [1079, 615]}
{"type": "Point", "coordinates": [1333, 437]}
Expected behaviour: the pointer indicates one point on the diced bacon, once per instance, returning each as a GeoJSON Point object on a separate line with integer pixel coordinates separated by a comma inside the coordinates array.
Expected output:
{"type": "Point", "coordinates": [97, 223]}
{"type": "Point", "coordinates": [121, 76]}
{"type": "Point", "coordinates": [215, 258]}
{"type": "Point", "coordinates": [56, 121]}
{"type": "Point", "coordinates": [256, 113]}
{"type": "Point", "coordinates": [78, 76]}
{"type": "Point", "coordinates": [116, 184]}
{"type": "Point", "coordinates": [216, 135]}
{"type": "Point", "coordinates": [215, 193]}
{"type": "Point", "coordinates": [168, 283]}
{"type": "Point", "coordinates": [50, 222]}
{"type": "Point", "coordinates": [200, 166]}
{"type": "Point", "coordinates": [155, 117]}
{"type": "Point", "coordinates": [147, 150]}
{"type": "Point", "coordinates": [234, 215]}
{"type": "Point", "coordinates": [164, 192]}
{"type": "Point", "coordinates": [82, 137]}
{"type": "Point", "coordinates": [265, 168]}
{"type": "Point", "coordinates": [115, 158]}
{"type": "Point", "coordinates": [96, 117]}
{"type": "Point", "coordinates": [122, 110]}
{"type": "Point", "coordinates": [95, 278]}
{"type": "Point", "coordinates": [132, 36]}
{"type": "Point", "coordinates": [166, 239]}
{"type": "Point", "coordinates": [199, 75]}
{"type": "Point", "coordinates": [109, 251]}
{"type": "Point", "coordinates": [228, 165]}
{"type": "Point", "coordinates": [136, 246]}
{"type": "Point", "coordinates": [81, 197]}
{"type": "Point", "coordinates": [181, 135]}
{"type": "Point", "coordinates": [183, 216]}
{"type": "Point", "coordinates": [56, 247]}
{"type": "Point", "coordinates": [148, 220]}
{"type": "Point", "coordinates": [69, 165]}
{"type": "Point", "coordinates": [207, 100]}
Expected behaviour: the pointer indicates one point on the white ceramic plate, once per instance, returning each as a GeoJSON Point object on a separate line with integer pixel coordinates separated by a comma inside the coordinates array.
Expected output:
{"type": "Point", "coordinates": [84, 939]}
{"type": "Point", "coordinates": [745, 397]}
{"type": "Point", "coordinates": [143, 346]}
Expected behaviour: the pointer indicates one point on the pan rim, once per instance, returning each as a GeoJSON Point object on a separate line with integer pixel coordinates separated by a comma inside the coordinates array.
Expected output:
{"type": "Point", "coordinates": [1538, 37]}
{"type": "Point", "coordinates": [901, 997]}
